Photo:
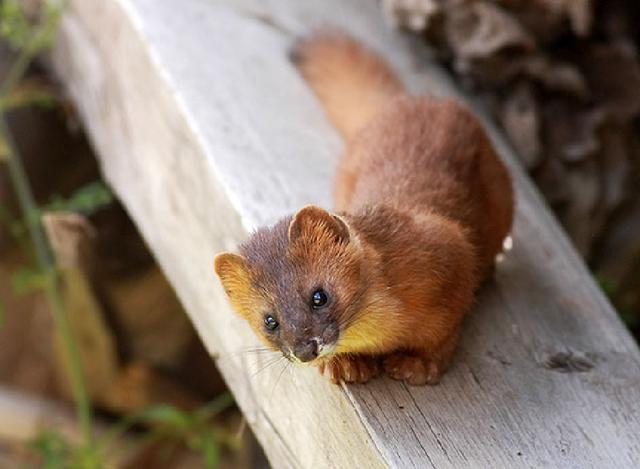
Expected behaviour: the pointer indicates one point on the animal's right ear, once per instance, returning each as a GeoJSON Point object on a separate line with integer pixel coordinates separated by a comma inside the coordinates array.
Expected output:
{"type": "Point", "coordinates": [312, 220]}
{"type": "Point", "coordinates": [233, 271]}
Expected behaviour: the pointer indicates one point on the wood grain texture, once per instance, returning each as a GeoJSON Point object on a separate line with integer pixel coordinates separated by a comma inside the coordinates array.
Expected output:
{"type": "Point", "coordinates": [206, 131]}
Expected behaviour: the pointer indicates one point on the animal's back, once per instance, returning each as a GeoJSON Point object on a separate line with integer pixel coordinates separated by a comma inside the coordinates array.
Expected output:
{"type": "Point", "coordinates": [431, 155]}
{"type": "Point", "coordinates": [414, 154]}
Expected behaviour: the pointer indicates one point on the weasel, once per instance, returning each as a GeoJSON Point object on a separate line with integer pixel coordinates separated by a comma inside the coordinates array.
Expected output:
{"type": "Point", "coordinates": [422, 206]}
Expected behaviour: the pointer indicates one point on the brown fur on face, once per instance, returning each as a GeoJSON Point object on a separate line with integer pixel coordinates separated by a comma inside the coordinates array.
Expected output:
{"type": "Point", "coordinates": [424, 205]}
{"type": "Point", "coordinates": [279, 269]}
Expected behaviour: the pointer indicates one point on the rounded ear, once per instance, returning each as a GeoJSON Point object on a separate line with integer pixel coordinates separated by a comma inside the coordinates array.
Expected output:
{"type": "Point", "coordinates": [312, 218]}
{"type": "Point", "coordinates": [233, 271]}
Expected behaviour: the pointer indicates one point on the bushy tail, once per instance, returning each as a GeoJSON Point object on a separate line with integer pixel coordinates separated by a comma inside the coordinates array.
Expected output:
{"type": "Point", "coordinates": [351, 81]}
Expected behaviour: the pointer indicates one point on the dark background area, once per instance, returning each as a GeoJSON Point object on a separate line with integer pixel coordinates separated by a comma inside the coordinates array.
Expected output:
{"type": "Point", "coordinates": [562, 77]}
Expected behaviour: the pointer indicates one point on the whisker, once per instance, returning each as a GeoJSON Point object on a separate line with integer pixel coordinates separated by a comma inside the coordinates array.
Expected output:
{"type": "Point", "coordinates": [255, 349]}
{"type": "Point", "coordinates": [269, 364]}
{"type": "Point", "coordinates": [260, 352]}
{"type": "Point", "coordinates": [286, 366]}
{"type": "Point", "coordinates": [251, 351]}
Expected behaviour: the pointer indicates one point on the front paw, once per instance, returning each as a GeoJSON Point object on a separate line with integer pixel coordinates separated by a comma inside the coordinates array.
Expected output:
{"type": "Point", "coordinates": [358, 369]}
{"type": "Point", "coordinates": [412, 369]}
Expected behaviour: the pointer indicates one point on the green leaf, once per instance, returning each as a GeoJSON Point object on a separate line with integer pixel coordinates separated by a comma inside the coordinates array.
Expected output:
{"type": "Point", "coordinates": [50, 18]}
{"type": "Point", "coordinates": [608, 285]}
{"type": "Point", "coordinates": [209, 446]}
{"type": "Point", "coordinates": [169, 416]}
{"type": "Point", "coordinates": [14, 25]}
{"type": "Point", "coordinates": [85, 457]}
{"type": "Point", "coordinates": [27, 280]}
{"type": "Point", "coordinates": [215, 406]}
{"type": "Point", "coordinates": [53, 449]}
{"type": "Point", "coordinates": [172, 424]}
{"type": "Point", "coordinates": [86, 200]}
{"type": "Point", "coordinates": [28, 93]}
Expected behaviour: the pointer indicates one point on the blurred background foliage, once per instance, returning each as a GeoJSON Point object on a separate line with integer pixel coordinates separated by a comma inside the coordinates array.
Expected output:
{"type": "Point", "coordinates": [86, 315]}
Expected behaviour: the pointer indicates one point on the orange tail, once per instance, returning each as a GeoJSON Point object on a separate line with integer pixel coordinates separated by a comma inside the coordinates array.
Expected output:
{"type": "Point", "coordinates": [352, 82]}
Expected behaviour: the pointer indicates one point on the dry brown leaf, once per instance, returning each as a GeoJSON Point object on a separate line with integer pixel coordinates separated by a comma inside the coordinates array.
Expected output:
{"type": "Point", "coordinates": [614, 161]}
{"type": "Point", "coordinates": [579, 216]}
{"type": "Point", "coordinates": [521, 121]}
{"type": "Point", "coordinates": [563, 78]}
{"type": "Point", "coordinates": [554, 75]}
{"type": "Point", "coordinates": [571, 136]}
{"type": "Point", "coordinates": [550, 177]}
{"type": "Point", "coordinates": [415, 15]}
{"type": "Point", "coordinates": [622, 242]}
{"type": "Point", "coordinates": [578, 13]}
{"type": "Point", "coordinates": [613, 74]}
{"type": "Point", "coordinates": [482, 29]}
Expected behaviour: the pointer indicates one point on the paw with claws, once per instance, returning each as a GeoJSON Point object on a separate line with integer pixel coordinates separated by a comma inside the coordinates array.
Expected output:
{"type": "Point", "coordinates": [357, 369]}
{"type": "Point", "coordinates": [412, 369]}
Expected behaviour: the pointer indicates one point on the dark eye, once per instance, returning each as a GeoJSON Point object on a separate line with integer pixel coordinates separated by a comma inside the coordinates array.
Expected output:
{"type": "Point", "coordinates": [319, 298]}
{"type": "Point", "coordinates": [270, 322]}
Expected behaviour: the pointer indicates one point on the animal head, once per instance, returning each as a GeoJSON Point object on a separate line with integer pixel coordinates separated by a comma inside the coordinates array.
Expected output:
{"type": "Point", "coordinates": [297, 283]}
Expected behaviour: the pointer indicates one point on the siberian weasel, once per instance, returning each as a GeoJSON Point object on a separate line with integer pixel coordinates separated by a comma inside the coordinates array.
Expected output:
{"type": "Point", "coordinates": [422, 206]}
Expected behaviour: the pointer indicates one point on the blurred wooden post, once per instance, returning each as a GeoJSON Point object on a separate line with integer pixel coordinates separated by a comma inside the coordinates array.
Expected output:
{"type": "Point", "coordinates": [206, 131]}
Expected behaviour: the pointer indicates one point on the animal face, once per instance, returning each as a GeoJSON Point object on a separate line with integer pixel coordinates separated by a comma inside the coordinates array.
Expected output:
{"type": "Point", "coordinates": [298, 283]}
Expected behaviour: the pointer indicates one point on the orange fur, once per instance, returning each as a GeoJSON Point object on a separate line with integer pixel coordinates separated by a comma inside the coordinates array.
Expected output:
{"type": "Point", "coordinates": [423, 204]}
{"type": "Point", "coordinates": [351, 94]}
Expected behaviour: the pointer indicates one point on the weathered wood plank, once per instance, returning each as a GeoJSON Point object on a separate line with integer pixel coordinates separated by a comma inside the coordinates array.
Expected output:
{"type": "Point", "coordinates": [206, 131]}
{"type": "Point", "coordinates": [23, 417]}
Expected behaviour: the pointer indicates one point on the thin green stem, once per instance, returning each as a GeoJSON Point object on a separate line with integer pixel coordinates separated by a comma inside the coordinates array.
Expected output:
{"type": "Point", "coordinates": [45, 263]}
{"type": "Point", "coordinates": [43, 253]}
{"type": "Point", "coordinates": [16, 72]}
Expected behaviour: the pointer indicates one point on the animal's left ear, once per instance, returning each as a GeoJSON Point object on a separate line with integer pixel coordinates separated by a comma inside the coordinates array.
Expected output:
{"type": "Point", "coordinates": [312, 218]}
{"type": "Point", "coordinates": [233, 272]}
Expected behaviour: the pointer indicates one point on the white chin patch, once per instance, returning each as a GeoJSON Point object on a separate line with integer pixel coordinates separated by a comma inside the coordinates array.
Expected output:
{"type": "Point", "coordinates": [326, 349]}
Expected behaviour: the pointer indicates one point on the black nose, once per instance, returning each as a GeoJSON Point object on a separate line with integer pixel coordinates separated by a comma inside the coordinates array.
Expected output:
{"type": "Point", "coordinates": [307, 351]}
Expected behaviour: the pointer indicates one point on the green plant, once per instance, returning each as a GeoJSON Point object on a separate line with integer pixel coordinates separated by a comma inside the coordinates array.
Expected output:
{"type": "Point", "coordinates": [28, 94]}
{"type": "Point", "coordinates": [14, 25]}
{"type": "Point", "coordinates": [86, 200]}
{"type": "Point", "coordinates": [167, 424]}
{"type": "Point", "coordinates": [172, 426]}
{"type": "Point", "coordinates": [53, 448]}
{"type": "Point", "coordinates": [29, 39]}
